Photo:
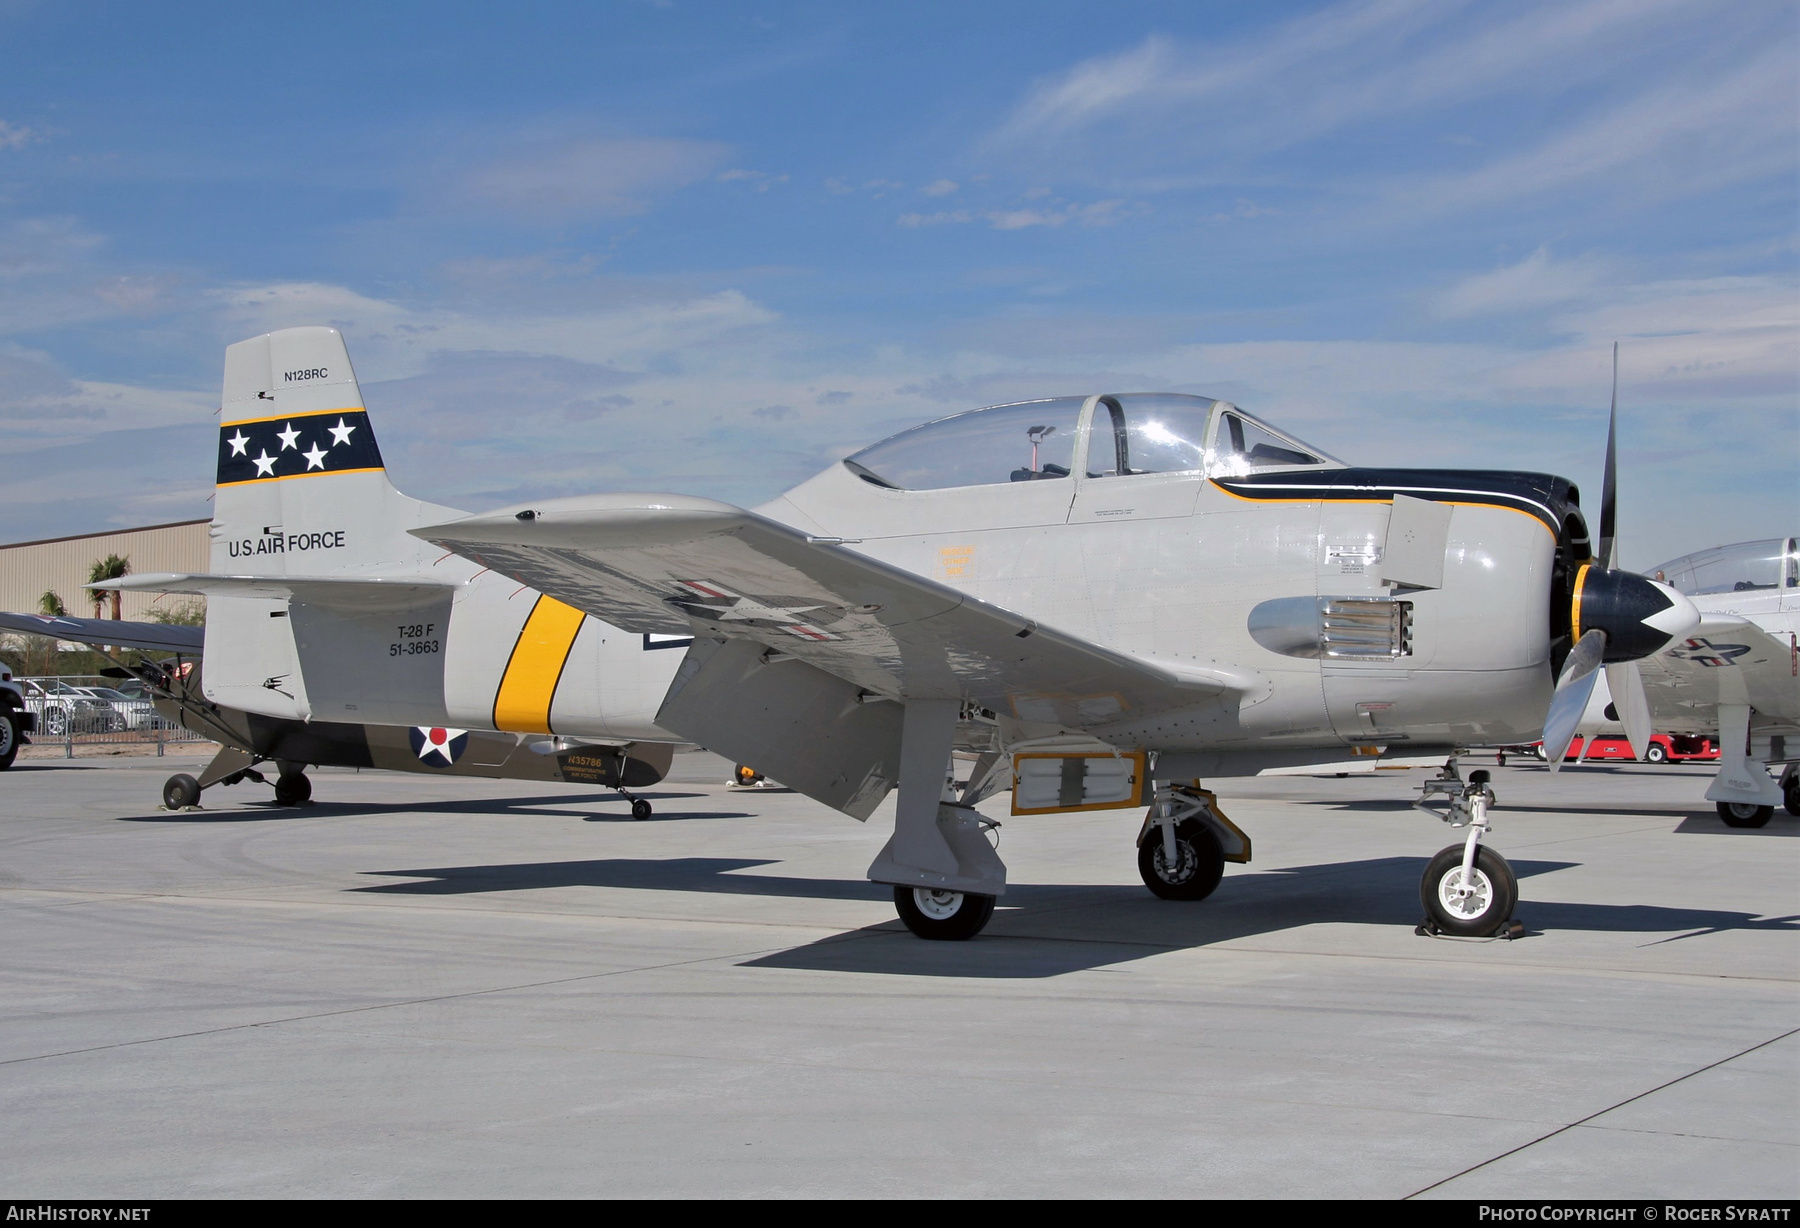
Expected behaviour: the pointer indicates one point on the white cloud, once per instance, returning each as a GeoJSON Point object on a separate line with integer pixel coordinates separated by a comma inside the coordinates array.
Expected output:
{"type": "Point", "coordinates": [940, 187]}
{"type": "Point", "coordinates": [17, 136]}
{"type": "Point", "coordinates": [1534, 282]}
{"type": "Point", "coordinates": [582, 177]}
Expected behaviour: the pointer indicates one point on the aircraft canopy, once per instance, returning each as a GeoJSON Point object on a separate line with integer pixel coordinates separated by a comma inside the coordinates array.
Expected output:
{"type": "Point", "coordinates": [1110, 436]}
{"type": "Point", "coordinates": [1740, 568]}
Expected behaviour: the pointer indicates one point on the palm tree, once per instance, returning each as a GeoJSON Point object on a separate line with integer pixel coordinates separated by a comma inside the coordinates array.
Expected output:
{"type": "Point", "coordinates": [112, 567]}
{"type": "Point", "coordinates": [51, 606]}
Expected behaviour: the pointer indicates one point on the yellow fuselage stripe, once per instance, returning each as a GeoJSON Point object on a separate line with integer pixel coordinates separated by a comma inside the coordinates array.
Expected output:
{"type": "Point", "coordinates": [522, 704]}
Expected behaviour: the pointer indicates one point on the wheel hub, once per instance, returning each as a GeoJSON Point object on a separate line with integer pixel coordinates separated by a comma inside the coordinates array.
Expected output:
{"type": "Point", "coordinates": [938, 905]}
{"type": "Point", "coordinates": [1186, 863]}
{"type": "Point", "coordinates": [1467, 902]}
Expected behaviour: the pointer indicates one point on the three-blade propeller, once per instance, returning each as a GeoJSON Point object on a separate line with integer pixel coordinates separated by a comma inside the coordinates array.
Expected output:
{"type": "Point", "coordinates": [1619, 618]}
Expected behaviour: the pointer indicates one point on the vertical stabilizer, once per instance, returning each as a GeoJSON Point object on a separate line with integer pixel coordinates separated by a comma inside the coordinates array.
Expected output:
{"type": "Point", "coordinates": [302, 492]}
{"type": "Point", "coordinates": [301, 485]}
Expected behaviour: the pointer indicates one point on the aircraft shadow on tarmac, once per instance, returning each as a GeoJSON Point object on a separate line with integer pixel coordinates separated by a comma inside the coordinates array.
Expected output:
{"type": "Point", "coordinates": [554, 805]}
{"type": "Point", "coordinates": [1051, 929]}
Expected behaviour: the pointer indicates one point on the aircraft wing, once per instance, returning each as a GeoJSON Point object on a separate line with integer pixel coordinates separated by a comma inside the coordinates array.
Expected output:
{"type": "Point", "coordinates": [1730, 659]}
{"type": "Point", "coordinates": [148, 637]}
{"type": "Point", "coordinates": [690, 565]}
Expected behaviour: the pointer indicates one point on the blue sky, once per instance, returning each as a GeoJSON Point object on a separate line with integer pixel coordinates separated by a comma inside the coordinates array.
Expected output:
{"type": "Point", "coordinates": [711, 247]}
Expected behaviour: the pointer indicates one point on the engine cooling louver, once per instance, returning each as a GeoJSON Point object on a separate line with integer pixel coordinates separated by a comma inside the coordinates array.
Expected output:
{"type": "Point", "coordinates": [1366, 627]}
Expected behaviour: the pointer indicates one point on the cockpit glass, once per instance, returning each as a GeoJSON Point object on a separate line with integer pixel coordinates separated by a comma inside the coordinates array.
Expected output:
{"type": "Point", "coordinates": [1148, 433]}
{"type": "Point", "coordinates": [1243, 445]}
{"type": "Point", "coordinates": [1741, 568]}
{"type": "Point", "coordinates": [1032, 441]}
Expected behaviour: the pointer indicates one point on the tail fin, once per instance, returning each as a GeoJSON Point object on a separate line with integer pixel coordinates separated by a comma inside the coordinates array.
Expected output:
{"type": "Point", "coordinates": [301, 485]}
{"type": "Point", "coordinates": [302, 492]}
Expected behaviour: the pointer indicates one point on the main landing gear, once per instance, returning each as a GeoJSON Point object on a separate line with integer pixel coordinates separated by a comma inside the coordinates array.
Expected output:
{"type": "Point", "coordinates": [1468, 888]}
{"type": "Point", "coordinates": [232, 766]}
{"type": "Point", "coordinates": [1185, 843]}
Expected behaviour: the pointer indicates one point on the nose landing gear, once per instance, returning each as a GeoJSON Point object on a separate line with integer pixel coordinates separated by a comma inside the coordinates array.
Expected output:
{"type": "Point", "coordinates": [1468, 889]}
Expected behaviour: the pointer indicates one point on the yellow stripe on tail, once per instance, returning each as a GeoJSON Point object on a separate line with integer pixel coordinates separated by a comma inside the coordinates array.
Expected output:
{"type": "Point", "coordinates": [522, 704]}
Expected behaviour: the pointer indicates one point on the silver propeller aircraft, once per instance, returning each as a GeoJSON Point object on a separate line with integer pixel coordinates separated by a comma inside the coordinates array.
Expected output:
{"type": "Point", "coordinates": [1105, 599]}
{"type": "Point", "coordinates": [1737, 673]}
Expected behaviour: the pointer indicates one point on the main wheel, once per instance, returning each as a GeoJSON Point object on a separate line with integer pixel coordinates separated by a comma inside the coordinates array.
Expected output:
{"type": "Point", "coordinates": [949, 916]}
{"type": "Point", "coordinates": [181, 791]}
{"type": "Point", "coordinates": [1479, 912]}
{"type": "Point", "coordinates": [1745, 814]}
{"type": "Point", "coordinates": [9, 739]}
{"type": "Point", "coordinates": [1199, 862]}
{"type": "Point", "coordinates": [294, 790]}
{"type": "Point", "coordinates": [1655, 753]}
{"type": "Point", "coordinates": [1790, 797]}
{"type": "Point", "coordinates": [640, 809]}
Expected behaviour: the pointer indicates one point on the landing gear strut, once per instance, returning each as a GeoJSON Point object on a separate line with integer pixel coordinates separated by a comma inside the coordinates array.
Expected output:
{"type": "Point", "coordinates": [640, 809]}
{"type": "Point", "coordinates": [1468, 888]}
{"type": "Point", "coordinates": [1185, 843]}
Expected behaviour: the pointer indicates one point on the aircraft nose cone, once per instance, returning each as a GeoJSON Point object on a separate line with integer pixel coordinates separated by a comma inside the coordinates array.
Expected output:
{"type": "Point", "coordinates": [1640, 616]}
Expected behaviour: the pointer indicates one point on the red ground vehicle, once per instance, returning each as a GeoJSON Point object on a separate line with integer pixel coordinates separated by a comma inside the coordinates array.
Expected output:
{"type": "Point", "coordinates": [1663, 748]}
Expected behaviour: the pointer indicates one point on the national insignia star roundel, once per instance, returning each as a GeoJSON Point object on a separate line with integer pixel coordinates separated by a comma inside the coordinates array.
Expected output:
{"type": "Point", "coordinates": [437, 747]}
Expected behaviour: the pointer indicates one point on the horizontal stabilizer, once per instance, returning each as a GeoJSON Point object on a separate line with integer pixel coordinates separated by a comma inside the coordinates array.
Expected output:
{"type": "Point", "coordinates": [146, 637]}
{"type": "Point", "coordinates": [347, 592]}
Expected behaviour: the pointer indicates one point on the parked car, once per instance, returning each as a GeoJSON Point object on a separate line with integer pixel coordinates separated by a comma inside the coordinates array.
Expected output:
{"type": "Point", "coordinates": [1663, 748]}
{"type": "Point", "coordinates": [134, 710]}
{"type": "Point", "coordinates": [61, 709]}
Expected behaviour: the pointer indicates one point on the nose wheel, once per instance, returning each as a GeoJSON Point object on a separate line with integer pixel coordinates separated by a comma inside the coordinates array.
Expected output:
{"type": "Point", "coordinates": [1474, 903]}
{"type": "Point", "coordinates": [1468, 889]}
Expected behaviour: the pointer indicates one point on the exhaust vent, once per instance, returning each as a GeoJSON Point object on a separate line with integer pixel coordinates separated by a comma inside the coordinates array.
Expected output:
{"type": "Point", "coordinates": [1365, 628]}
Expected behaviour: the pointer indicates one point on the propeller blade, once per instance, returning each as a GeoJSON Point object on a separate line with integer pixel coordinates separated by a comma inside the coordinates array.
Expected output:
{"type": "Point", "coordinates": [1626, 683]}
{"type": "Point", "coordinates": [1609, 487]}
{"type": "Point", "coordinates": [1580, 672]}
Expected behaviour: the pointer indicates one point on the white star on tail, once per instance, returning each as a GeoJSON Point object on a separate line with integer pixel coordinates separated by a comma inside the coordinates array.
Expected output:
{"type": "Point", "coordinates": [289, 438]}
{"type": "Point", "coordinates": [265, 464]}
{"type": "Point", "coordinates": [316, 458]}
{"type": "Point", "coordinates": [237, 443]}
{"type": "Point", "coordinates": [340, 434]}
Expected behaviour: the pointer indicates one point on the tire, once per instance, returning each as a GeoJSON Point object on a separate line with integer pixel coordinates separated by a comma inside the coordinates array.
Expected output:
{"type": "Point", "coordinates": [56, 722]}
{"type": "Point", "coordinates": [1656, 753]}
{"type": "Point", "coordinates": [1497, 893]}
{"type": "Point", "coordinates": [294, 790]}
{"type": "Point", "coordinates": [1202, 862]}
{"type": "Point", "coordinates": [181, 791]}
{"type": "Point", "coordinates": [640, 809]}
{"type": "Point", "coordinates": [1542, 754]}
{"type": "Point", "coordinates": [9, 739]}
{"type": "Point", "coordinates": [1745, 814]}
{"type": "Point", "coordinates": [944, 916]}
{"type": "Point", "coordinates": [1790, 798]}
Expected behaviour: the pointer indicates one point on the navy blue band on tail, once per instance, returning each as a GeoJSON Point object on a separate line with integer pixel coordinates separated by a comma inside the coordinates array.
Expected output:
{"type": "Point", "coordinates": [306, 444]}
